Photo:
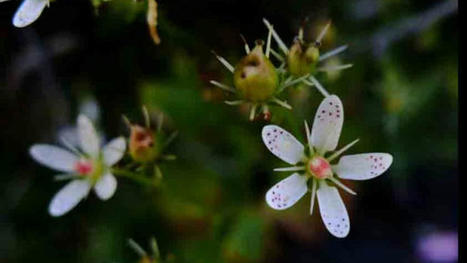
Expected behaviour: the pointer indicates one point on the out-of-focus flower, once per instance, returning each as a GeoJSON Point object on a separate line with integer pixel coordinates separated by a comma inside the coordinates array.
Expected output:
{"type": "Point", "coordinates": [147, 144]}
{"type": "Point", "coordinates": [147, 150]}
{"type": "Point", "coordinates": [438, 247]}
{"type": "Point", "coordinates": [87, 169]}
{"type": "Point", "coordinates": [316, 167]}
{"type": "Point", "coordinates": [28, 12]}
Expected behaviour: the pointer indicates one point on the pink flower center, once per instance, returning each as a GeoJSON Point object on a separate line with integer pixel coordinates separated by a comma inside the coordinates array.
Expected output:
{"type": "Point", "coordinates": [83, 167]}
{"type": "Point", "coordinates": [319, 167]}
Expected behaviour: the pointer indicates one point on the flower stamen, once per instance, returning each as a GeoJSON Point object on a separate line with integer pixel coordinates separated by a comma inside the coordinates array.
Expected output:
{"type": "Point", "coordinates": [342, 186]}
{"type": "Point", "coordinates": [282, 103]}
{"type": "Point", "coordinates": [313, 195]}
{"type": "Point", "coordinates": [343, 149]}
{"type": "Point", "coordinates": [290, 169]}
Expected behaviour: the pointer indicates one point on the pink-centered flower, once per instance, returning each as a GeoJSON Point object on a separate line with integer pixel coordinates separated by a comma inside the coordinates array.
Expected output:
{"type": "Point", "coordinates": [87, 169]}
{"type": "Point", "coordinates": [316, 169]}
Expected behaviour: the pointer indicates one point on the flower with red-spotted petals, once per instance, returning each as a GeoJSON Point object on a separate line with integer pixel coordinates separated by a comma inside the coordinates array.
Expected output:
{"type": "Point", "coordinates": [315, 164]}
{"type": "Point", "coordinates": [87, 169]}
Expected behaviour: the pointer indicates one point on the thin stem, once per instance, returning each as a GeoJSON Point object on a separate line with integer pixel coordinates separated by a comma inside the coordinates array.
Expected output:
{"type": "Point", "coordinates": [313, 195]}
{"type": "Point", "coordinates": [277, 55]}
{"type": "Point", "coordinates": [323, 32]}
{"type": "Point", "coordinates": [137, 248]}
{"type": "Point", "coordinates": [308, 137]}
{"type": "Point", "coordinates": [170, 139]}
{"type": "Point", "coordinates": [155, 248]}
{"type": "Point", "coordinates": [281, 68]}
{"type": "Point", "coordinates": [268, 43]}
{"type": "Point", "coordinates": [341, 185]}
{"type": "Point", "coordinates": [290, 169]}
{"type": "Point", "coordinates": [282, 103]}
{"type": "Point", "coordinates": [222, 86]}
{"type": "Point", "coordinates": [319, 86]}
{"type": "Point", "coordinates": [160, 121]}
{"type": "Point", "coordinates": [295, 81]}
{"type": "Point", "coordinates": [247, 48]}
{"type": "Point", "coordinates": [332, 52]}
{"type": "Point", "coordinates": [234, 102]}
{"type": "Point", "coordinates": [265, 109]}
{"type": "Point", "coordinates": [134, 176]}
{"type": "Point", "coordinates": [287, 80]}
{"type": "Point", "coordinates": [343, 149]}
{"type": "Point", "coordinates": [281, 44]}
{"type": "Point", "coordinates": [334, 68]}
{"type": "Point", "coordinates": [126, 121]}
{"type": "Point", "coordinates": [147, 121]}
{"type": "Point", "coordinates": [224, 62]}
{"type": "Point", "coordinates": [168, 157]}
{"type": "Point", "coordinates": [157, 172]}
{"type": "Point", "coordinates": [253, 111]}
{"type": "Point", "coordinates": [300, 34]}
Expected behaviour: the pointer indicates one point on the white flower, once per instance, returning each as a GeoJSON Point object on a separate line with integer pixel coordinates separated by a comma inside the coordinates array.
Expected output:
{"type": "Point", "coordinates": [316, 166]}
{"type": "Point", "coordinates": [28, 12]}
{"type": "Point", "coordinates": [90, 169]}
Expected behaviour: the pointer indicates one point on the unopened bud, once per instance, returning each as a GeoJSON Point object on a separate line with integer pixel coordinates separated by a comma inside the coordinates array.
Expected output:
{"type": "Point", "coordinates": [302, 58]}
{"type": "Point", "coordinates": [255, 77]}
{"type": "Point", "coordinates": [143, 144]}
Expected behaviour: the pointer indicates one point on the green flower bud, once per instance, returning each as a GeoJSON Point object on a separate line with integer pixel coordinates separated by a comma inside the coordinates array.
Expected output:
{"type": "Point", "coordinates": [255, 77]}
{"type": "Point", "coordinates": [143, 145]}
{"type": "Point", "coordinates": [302, 58]}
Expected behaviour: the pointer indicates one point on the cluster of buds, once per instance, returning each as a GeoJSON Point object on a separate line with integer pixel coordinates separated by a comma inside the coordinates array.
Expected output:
{"type": "Point", "coordinates": [258, 82]}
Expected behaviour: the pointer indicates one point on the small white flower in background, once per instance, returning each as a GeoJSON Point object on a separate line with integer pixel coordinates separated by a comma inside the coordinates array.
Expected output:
{"type": "Point", "coordinates": [89, 169]}
{"type": "Point", "coordinates": [316, 167]}
{"type": "Point", "coordinates": [28, 12]}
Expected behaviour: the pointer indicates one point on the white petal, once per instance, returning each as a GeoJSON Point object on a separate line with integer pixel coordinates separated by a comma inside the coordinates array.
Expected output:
{"type": "Point", "coordinates": [282, 144]}
{"type": "Point", "coordinates": [327, 125]}
{"type": "Point", "coordinates": [88, 137]}
{"type": "Point", "coordinates": [114, 151]}
{"type": "Point", "coordinates": [287, 192]}
{"type": "Point", "coordinates": [68, 197]}
{"type": "Point", "coordinates": [28, 12]}
{"type": "Point", "coordinates": [106, 186]}
{"type": "Point", "coordinates": [53, 157]}
{"type": "Point", "coordinates": [333, 211]}
{"type": "Point", "coordinates": [362, 166]}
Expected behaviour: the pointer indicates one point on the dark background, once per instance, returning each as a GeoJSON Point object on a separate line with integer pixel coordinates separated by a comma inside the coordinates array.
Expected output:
{"type": "Point", "coordinates": [401, 97]}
